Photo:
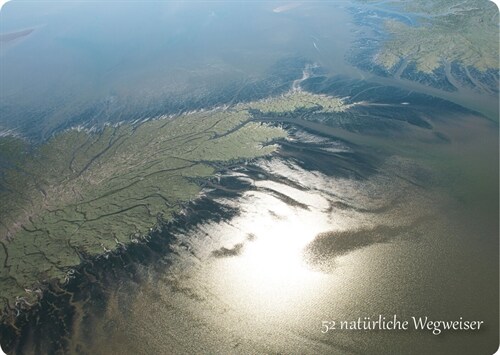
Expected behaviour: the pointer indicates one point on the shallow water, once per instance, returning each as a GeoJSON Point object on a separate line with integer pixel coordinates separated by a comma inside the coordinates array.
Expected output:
{"type": "Point", "coordinates": [344, 221]}
{"type": "Point", "coordinates": [291, 246]}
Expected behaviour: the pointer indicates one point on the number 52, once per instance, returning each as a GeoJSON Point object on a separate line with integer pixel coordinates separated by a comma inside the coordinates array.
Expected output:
{"type": "Point", "coordinates": [327, 325]}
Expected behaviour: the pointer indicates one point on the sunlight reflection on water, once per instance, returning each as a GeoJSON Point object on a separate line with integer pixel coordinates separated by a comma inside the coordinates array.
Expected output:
{"type": "Point", "coordinates": [270, 274]}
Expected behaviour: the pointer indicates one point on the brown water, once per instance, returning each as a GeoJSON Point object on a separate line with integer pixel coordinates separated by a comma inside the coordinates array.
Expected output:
{"type": "Point", "coordinates": [255, 283]}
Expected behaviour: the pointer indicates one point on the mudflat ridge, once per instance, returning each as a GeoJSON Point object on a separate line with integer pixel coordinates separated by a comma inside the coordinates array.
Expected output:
{"type": "Point", "coordinates": [85, 193]}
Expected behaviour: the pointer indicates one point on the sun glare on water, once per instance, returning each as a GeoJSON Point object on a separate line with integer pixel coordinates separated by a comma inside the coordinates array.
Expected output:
{"type": "Point", "coordinates": [270, 275]}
